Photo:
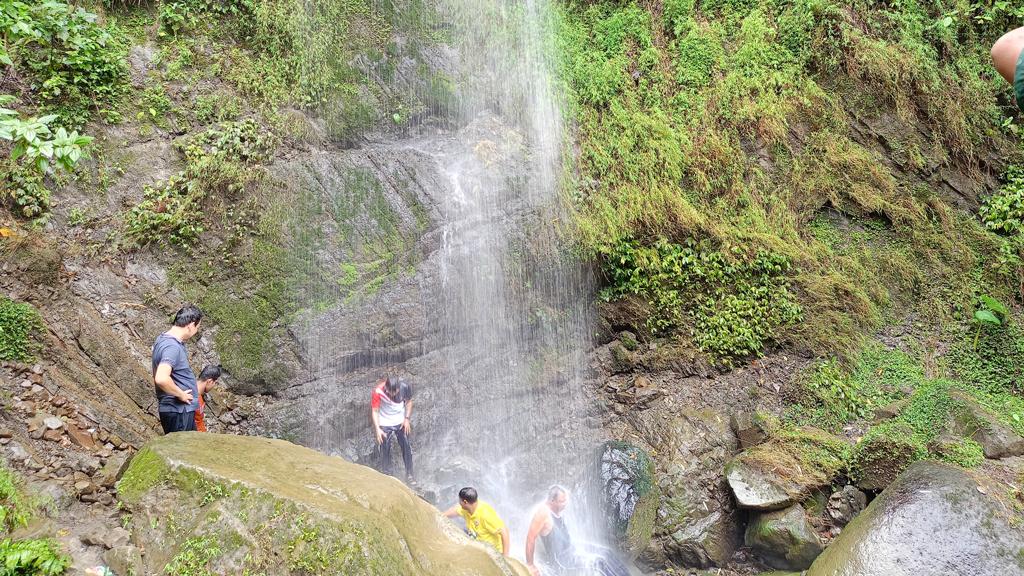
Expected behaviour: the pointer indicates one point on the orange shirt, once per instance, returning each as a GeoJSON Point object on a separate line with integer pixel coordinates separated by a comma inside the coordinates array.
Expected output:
{"type": "Point", "coordinates": [200, 421]}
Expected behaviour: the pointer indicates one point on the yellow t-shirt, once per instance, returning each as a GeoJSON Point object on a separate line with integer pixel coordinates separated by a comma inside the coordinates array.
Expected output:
{"type": "Point", "coordinates": [484, 524]}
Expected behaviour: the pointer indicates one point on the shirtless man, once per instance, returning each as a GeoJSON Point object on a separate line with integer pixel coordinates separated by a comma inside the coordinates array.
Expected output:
{"type": "Point", "coordinates": [1006, 55]}
{"type": "Point", "coordinates": [561, 554]}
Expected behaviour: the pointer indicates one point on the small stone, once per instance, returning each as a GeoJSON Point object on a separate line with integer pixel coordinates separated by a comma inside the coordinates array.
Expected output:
{"type": "Point", "coordinates": [26, 384]}
{"type": "Point", "coordinates": [228, 418]}
{"type": "Point", "coordinates": [37, 434]}
{"type": "Point", "coordinates": [53, 423]}
{"type": "Point", "coordinates": [64, 472]}
{"type": "Point", "coordinates": [81, 477]}
{"type": "Point", "coordinates": [59, 401]}
{"type": "Point", "coordinates": [81, 438]}
{"type": "Point", "coordinates": [113, 470]}
{"type": "Point", "coordinates": [110, 447]}
{"type": "Point", "coordinates": [85, 487]}
{"type": "Point", "coordinates": [750, 429]}
{"type": "Point", "coordinates": [36, 378]}
{"type": "Point", "coordinates": [37, 369]}
{"type": "Point", "coordinates": [4, 441]}
{"type": "Point", "coordinates": [53, 435]}
{"type": "Point", "coordinates": [115, 440]}
{"type": "Point", "coordinates": [5, 433]}
{"type": "Point", "coordinates": [844, 504]}
{"type": "Point", "coordinates": [103, 436]}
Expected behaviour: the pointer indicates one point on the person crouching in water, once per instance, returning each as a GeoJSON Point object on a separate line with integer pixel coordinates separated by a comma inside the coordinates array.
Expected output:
{"type": "Point", "coordinates": [207, 378]}
{"type": "Point", "coordinates": [391, 412]}
{"type": "Point", "coordinates": [482, 522]}
{"type": "Point", "coordinates": [561, 554]}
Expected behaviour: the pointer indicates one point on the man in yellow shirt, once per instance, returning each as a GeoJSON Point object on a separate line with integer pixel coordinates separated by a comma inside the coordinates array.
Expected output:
{"type": "Point", "coordinates": [482, 522]}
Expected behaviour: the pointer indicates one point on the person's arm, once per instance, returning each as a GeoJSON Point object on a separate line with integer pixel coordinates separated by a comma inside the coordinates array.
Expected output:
{"type": "Point", "coordinates": [452, 512]}
{"type": "Point", "coordinates": [163, 380]}
{"type": "Point", "coordinates": [1006, 51]}
{"type": "Point", "coordinates": [504, 540]}
{"type": "Point", "coordinates": [377, 432]}
{"type": "Point", "coordinates": [539, 519]}
{"type": "Point", "coordinates": [407, 424]}
{"type": "Point", "coordinates": [375, 416]}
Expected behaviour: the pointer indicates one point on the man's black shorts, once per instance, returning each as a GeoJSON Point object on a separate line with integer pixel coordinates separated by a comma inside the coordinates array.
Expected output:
{"type": "Point", "coordinates": [178, 421]}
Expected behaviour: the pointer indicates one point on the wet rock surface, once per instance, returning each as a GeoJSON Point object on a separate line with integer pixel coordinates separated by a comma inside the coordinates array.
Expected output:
{"type": "Point", "coordinates": [934, 520]}
{"type": "Point", "coordinates": [629, 494]}
{"type": "Point", "coordinates": [997, 440]}
{"type": "Point", "coordinates": [784, 538]}
{"type": "Point", "coordinates": [271, 506]}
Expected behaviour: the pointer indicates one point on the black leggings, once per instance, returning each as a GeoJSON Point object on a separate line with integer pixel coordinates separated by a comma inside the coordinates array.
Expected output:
{"type": "Point", "coordinates": [385, 449]}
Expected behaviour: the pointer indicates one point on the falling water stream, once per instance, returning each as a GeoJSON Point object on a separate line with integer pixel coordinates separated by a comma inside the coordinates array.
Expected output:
{"type": "Point", "coordinates": [504, 307]}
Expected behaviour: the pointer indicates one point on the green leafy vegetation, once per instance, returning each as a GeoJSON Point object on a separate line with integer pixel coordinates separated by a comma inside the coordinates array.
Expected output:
{"type": "Point", "coordinates": [1003, 212]}
{"type": "Point", "coordinates": [20, 325]}
{"type": "Point", "coordinates": [733, 304]}
{"type": "Point", "coordinates": [15, 507]}
{"type": "Point", "coordinates": [194, 556]}
{"type": "Point", "coordinates": [32, 558]}
{"type": "Point", "coordinates": [36, 150]}
{"type": "Point", "coordinates": [76, 66]}
{"type": "Point", "coordinates": [728, 124]}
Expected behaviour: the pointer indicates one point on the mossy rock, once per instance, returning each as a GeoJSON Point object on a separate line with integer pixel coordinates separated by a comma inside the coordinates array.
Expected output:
{"type": "Point", "coordinates": [786, 469]}
{"type": "Point", "coordinates": [219, 504]}
{"type": "Point", "coordinates": [935, 519]}
{"type": "Point", "coordinates": [883, 454]}
{"type": "Point", "coordinates": [629, 494]}
{"type": "Point", "coordinates": [784, 538]}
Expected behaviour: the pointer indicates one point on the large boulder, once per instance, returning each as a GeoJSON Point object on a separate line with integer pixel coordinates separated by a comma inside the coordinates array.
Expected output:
{"type": "Point", "coordinates": [697, 523]}
{"type": "Point", "coordinates": [784, 539]}
{"type": "Point", "coordinates": [629, 494]}
{"type": "Point", "coordinates": [212, 503]}
{"type": "Point", "coordinates": [786, 469]}
{"type": "Point", "coordinates": [934, 520]}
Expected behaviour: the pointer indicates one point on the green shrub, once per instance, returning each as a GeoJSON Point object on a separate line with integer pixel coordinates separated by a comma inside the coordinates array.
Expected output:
{"type": "Point", "coordinates": [732, 305]}
{"type": "Point", "coordinates": [169, 213]}
{"type": "Point", "coordinates": [20, 323]}
{"type": "Point", "coordinates": [32, 558]}
{"type": "Point", "coordinates": [15, 508]}
{"type": "Point", "coordinates": [1004, 211]}
{"type": "Point", "coordinates": [77, 64]}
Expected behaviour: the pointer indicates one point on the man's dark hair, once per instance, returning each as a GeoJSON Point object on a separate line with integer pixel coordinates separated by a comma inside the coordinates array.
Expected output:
{"type": "Point", "coordinates": [187, 315]}
{"type": "Point", "coordinates": [210, 372]}
{"type": "Point", "coordinates": [555, 491]}
{"type": "Point", "coordinates": [391, 385]}
{"type": "Point", "coordinates": [468, 494]}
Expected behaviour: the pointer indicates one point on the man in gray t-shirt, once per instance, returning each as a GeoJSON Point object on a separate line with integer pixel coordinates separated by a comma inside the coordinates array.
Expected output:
{"type": "Point", "coordinates": [177, 393]}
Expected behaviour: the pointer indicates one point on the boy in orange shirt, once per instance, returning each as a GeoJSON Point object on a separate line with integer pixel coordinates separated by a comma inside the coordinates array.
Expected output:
{"type": "Point", "coordinates": [207, 378]}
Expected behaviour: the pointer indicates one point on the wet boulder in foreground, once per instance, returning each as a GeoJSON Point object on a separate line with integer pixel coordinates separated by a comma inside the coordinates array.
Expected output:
{"type": "Point", "coordinates": [934, 520]}
{"type": "Point", "coordinates": [212, 503]}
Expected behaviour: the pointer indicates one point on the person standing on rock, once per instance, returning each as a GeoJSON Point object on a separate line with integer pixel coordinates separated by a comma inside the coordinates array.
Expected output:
{"type": "Point", "coordinates": [561, 554]}
{"type": "Point", "coordinates": [207, 378]}
{"type": "Point", "coordinates": [391, 412]}
{"type": "Point", "coordinates": [482, 522]}
{"type": "Point", "coordinates": [177, 391]}
{"type": "Point", "coordinates": [1008, 57]}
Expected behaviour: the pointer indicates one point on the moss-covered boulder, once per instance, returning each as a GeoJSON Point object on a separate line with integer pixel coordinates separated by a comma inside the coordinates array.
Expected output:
{"type": "Point", "coordinates": [786, 469]}
{"type": "Point", "coordinates": [934, 520]}
{"type": "Point", "coordinates": [973, 421]}
{"type": "Point", "coordinates": [784, 539]}
{"type": "Point", "coordinates": [219, 504]}
{"type": "Point", "coordinates": [883, 453]}
{"type": "Point", "coordinates": [629, 494]}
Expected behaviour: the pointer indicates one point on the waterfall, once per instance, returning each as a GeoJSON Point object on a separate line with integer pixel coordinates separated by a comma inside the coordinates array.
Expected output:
{"type": "Point", "coordinates": [493, 323]}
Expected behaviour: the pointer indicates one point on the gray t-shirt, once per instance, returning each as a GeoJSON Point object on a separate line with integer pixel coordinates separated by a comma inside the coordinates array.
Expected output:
{"type": "Point", "coordinates": [169, 350]}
